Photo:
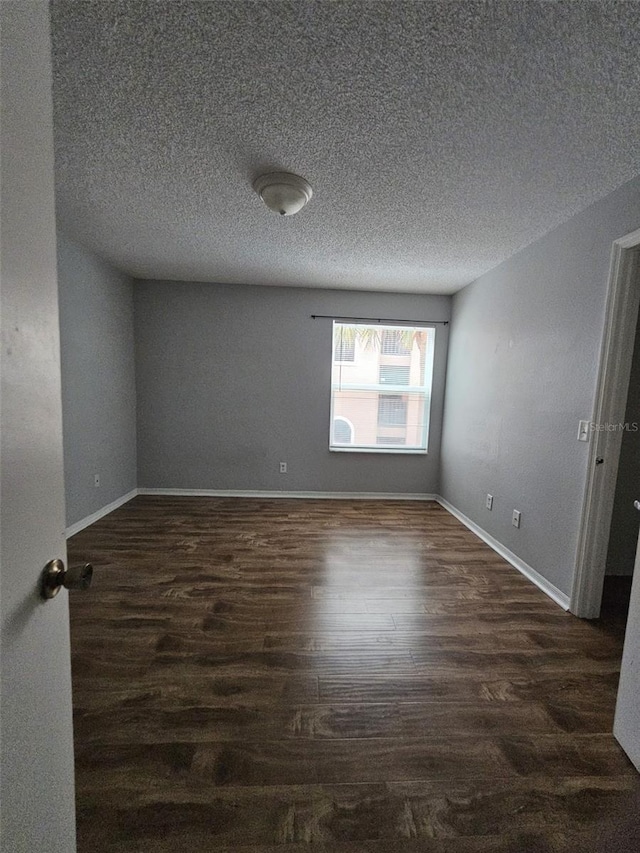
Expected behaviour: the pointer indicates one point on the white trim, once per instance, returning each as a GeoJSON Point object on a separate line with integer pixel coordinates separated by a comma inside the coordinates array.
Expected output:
{"type": "Point", "coordinates": [612, 388]}
{"type": "Point", "coordinates": [629, 241]}
{"type": "Point", "coordinates": [382, 448]}
{"type": "Point", "coordinates": [530, 573]}
{"type": "Point", "coordinates": [250, 493]}
{"type": "Point", "coordinates": [98, 514]}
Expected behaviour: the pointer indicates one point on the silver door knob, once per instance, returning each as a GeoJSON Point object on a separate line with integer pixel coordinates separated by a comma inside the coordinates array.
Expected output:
{"type": "Point", "coordinates": [55, 576]}
{"type": "Point", "coordinates": [636, 504]}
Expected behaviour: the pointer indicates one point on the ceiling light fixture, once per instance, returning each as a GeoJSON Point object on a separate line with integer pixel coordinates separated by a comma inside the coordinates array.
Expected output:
{"type": "Point", "coordinates": [283, 192]}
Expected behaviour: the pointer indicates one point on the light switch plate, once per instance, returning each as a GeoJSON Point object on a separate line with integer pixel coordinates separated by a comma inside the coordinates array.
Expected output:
{"type": "Point", "coordinates": [583, 430]}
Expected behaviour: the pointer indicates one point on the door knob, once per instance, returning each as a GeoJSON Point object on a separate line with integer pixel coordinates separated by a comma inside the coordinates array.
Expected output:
{"type": "Point", "coordinates": [55, 576]}
{"type": "Point", "coordinates": [636, 504]}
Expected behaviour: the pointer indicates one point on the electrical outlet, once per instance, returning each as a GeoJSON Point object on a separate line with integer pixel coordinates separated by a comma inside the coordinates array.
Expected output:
{"type": "Point", "coordinates": [96, 480]}
{"type": "Point", "coordinates": [489, 502]}
{"type": "Point", "coordinates": [283, 467]}
{"type": "Point", "coordinates": [515, 518]}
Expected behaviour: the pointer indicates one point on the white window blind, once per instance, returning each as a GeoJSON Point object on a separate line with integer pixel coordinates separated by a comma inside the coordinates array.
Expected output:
{"type": "Point", "coordinates": [383, 392]}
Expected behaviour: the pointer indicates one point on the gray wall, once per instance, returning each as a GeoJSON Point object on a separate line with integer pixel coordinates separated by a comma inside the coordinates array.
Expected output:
{"type": "Point", "coordinates": [623, 539]}
{"type": "Point", "coordinates": [522, 368]}
{"type": "Point", "coordinates": [98, 380]}
{"type": "Point", "coordinates": [233, 379]}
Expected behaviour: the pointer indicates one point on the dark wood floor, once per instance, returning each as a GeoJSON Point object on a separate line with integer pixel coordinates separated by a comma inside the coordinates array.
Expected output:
{"type": "Point", "coordinates": [340, 676]}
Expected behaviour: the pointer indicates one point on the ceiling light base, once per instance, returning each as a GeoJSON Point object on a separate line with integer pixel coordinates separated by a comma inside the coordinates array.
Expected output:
{"type": "Point", "coordinates": [283, 192]}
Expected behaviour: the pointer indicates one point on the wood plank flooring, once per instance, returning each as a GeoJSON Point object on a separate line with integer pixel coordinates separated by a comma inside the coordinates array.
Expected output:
{"type": "Point", "coordinates": [342, 676]}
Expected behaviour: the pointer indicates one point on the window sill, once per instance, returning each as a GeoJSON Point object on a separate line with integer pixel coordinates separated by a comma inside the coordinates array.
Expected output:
{"type": "Point", "coordinates": [412, 451]}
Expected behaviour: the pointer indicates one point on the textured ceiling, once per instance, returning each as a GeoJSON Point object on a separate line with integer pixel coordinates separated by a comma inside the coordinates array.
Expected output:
{"type": "Point", "coordinates": [439, 137]}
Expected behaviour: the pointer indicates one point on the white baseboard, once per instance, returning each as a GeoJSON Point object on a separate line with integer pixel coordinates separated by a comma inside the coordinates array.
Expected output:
{"type": "Point", "coordinates": [244, 493]}
{"type": "Point", "coordinates": [530, 573]}
{"type": "Point", "coordinates": [100, 513]}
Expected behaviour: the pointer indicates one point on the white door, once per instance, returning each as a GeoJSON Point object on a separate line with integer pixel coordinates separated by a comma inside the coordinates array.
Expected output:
{"type": "Point", "coordinates": [626, 726]}
{"type": "Point", "coordinates": [37, 805]}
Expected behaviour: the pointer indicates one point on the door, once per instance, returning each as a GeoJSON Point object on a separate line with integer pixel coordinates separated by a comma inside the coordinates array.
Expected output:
{"type": "Point", "coordinates": [612, 388]}
{"type": "Point", "coordinates": [626, 726]}
{"type": "Point", "coordinates": [37, 744]}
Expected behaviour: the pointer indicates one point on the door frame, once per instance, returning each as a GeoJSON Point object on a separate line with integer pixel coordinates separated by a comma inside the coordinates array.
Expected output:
{"type": "Point", "coordinates": [616, 354]}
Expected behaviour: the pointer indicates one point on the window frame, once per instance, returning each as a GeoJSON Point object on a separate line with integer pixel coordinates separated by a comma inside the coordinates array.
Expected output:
{"type": "Point", "coordinates": [426, 390]}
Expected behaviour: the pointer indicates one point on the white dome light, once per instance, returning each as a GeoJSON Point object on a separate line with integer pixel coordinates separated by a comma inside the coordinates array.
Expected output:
{"type": "Point", "coordinates": [283, 192]}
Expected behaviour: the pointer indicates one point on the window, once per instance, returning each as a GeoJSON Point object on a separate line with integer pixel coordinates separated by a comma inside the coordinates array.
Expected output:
{"type": "Point", "coordinates": [381, 387]}
{"type": "Point", "coordinates": [342, 431]}
{"type": "Point", "coordinates": [390, 439]}
{"type": "Point", "coordinates": [394, 342]}
{"type": "Point", "coordinates": [392, 410]}
{"type": "Point", "coordinates": [344, 346]}
{"type": "Point", "coordinates": [391, 374]}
